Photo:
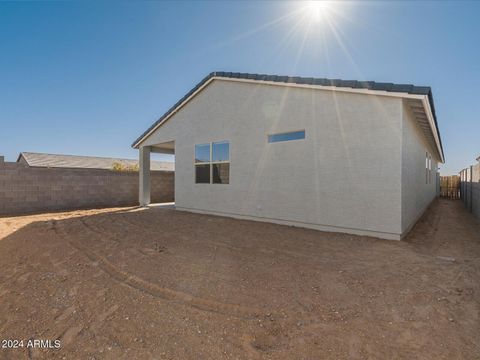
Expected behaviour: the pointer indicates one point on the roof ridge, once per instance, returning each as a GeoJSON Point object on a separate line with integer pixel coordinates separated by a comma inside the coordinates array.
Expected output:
{"type": "Point", "coordinates": [302, 78]}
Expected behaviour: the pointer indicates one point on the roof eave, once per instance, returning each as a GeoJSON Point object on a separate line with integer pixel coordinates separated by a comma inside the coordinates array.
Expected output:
{"type": "Point", "coordinates": [423, 93]}
{"type": "Point", "coordinates": [173, 109]}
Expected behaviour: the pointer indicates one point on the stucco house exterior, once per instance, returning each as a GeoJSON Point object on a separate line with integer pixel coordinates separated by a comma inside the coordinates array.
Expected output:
{"type": "Point", "coordinates": [333, 155]}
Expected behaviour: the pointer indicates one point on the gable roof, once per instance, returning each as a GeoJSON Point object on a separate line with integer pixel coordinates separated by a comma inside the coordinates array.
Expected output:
{"type": "Point", "coordinates": [85, 162]}
{"type": "Point", "coordinates": [370, 86]}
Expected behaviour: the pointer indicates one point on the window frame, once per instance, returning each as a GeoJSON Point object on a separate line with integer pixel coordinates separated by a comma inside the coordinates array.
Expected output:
{"type": "Point", "coordinates": [195, 173]}
{"type": "Point", "coordinates": [210, 163]}
{"type": "Point", "coordinates": [195, 154]}
{"type": "Point", "coordinates": [428, 168]}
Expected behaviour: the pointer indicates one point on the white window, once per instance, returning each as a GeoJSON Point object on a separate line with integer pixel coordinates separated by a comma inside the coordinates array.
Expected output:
{"type": "Point", "coordinates": [430, 167]}
{"type": "Point", "coordinates": [212, 163]}
{"type": "Point", "coordinates": [202, 164]}
{"type": "Point", "coordinates": [426, 168]}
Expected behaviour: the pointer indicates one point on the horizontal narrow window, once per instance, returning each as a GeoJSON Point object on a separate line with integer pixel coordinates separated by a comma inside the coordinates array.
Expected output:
{"type": "Point", "coordinates": [294, 135]}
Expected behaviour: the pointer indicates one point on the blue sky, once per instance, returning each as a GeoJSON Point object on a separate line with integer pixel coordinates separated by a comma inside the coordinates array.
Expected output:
{"type": "Point", "coordinates": [88, 77]}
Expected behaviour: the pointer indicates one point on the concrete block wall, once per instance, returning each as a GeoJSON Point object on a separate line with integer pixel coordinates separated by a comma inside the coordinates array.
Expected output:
{"type": "Point", "coordinates": [470, 189]}
{"type": "Point", "coordinates": [475, 191]}
{"type": "Point", "coordinates": [476, 199]}
{"type": "Point", "coordinates": [26, 189]}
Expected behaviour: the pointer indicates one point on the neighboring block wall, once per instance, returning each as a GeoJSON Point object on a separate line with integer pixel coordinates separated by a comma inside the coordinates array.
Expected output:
{"type": "Point", "coordinates": [470, 189]}
{"type": "Point", "coordinates": [417, 193]}
{"type": "Point", "coordinates": [25, 189]}
{"type": "Point", "coordinates": [476, 199]}
{"type": "Point", "coordinates": [476, 190]}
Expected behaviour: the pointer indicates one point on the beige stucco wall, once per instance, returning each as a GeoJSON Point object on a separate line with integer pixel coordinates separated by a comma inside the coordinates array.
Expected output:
{"type": "Point", "coordinates": [417, 194]}
{"type": "Point", "coordinates": [345, 176]}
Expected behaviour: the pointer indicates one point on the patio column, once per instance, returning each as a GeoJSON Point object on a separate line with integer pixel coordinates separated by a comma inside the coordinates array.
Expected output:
{"type": "Point", "coordinates": [144, 176]}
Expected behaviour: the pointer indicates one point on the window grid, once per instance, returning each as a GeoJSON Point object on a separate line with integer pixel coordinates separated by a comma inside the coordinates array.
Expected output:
{"type": "Point", "coordinates": [210, 163]}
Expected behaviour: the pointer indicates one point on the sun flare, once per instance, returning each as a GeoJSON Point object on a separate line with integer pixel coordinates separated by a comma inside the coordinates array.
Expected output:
{"type": "Point", "coordinates": [318, 10]}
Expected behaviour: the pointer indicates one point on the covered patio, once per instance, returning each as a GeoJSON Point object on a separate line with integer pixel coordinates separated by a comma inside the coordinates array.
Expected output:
{"type": "Point", "coordinates": [144, 193]}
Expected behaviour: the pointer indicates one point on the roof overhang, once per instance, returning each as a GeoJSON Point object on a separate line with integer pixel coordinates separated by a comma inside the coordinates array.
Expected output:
{"type": "Point", "coordinates": [425, 99]}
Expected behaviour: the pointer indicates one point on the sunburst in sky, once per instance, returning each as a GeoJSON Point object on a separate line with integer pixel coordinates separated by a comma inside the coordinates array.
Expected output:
{"type": "Point", "coordinates": [115, 66]}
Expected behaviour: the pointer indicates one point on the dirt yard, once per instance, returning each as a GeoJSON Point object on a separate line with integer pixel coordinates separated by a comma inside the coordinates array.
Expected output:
{"type": "Point", "coordinates": [163, 284]}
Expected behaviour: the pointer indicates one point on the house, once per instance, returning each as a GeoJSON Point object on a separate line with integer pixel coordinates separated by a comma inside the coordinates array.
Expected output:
{"type": "Point", "coordinates": [85, 162]}
{"type": "Point", "coordinates": [333, 155]}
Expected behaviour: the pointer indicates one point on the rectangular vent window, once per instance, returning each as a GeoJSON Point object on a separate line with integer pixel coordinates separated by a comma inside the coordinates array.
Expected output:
{"type": "Point", "coordinates": [293, 135]}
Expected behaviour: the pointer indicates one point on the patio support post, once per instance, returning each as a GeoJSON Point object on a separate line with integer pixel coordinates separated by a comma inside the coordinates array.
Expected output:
{"type": "Point", "coordinates": [144, 176]}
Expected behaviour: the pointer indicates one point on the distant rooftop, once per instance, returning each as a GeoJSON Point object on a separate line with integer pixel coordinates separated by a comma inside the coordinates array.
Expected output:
{"type": "Point", "coordinates": [85, 162]}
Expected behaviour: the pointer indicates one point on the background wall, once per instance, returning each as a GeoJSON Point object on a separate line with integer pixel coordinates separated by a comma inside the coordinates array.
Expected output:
{"type": "Point", "coordinates": [25, 189]}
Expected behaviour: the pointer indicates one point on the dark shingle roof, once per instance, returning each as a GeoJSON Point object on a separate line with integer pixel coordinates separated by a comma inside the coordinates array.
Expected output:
{"type": "Point", "coordinates": [354, 84]}
{"type": "Point", "coordinates": [85, 162]}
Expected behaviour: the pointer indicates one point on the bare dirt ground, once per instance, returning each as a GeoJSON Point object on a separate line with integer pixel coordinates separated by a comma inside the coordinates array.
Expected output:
{"type": "Point", "coordinates": [163, 284]}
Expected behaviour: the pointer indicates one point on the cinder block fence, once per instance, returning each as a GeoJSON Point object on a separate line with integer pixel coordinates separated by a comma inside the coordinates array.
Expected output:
{"type": "Point", "coordinates": [25, 189]}
{"type": "Point", "coordinates": [470, 188]}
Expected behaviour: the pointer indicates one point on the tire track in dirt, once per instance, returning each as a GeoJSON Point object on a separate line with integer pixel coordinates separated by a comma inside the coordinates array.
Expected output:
{"type": "Point", "coordinates": [155, 247]}
{"type": "Point", "coordinates": [95, 230]}
{"type": "Point", "coordinates": [272, 340]}
{"type": "Point", "coordinates": [233, 247]}
{"type": "Point", "coordinates": [155, 290]}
